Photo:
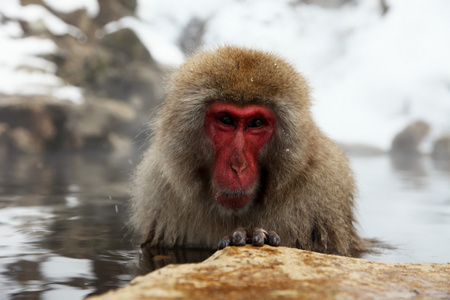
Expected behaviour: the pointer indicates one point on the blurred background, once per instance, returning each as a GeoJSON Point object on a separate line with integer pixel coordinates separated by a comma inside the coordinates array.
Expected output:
{"type": "Point", "coordinates": [79, 79]}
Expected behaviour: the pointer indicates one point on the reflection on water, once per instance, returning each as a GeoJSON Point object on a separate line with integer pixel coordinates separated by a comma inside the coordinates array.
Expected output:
{"type": "Point", "coordinates": [405, 201]}
{"type": "Point", "coordinates": [152, 259]}
{"type": "Point", "coordinates": [61, 226]}
{"type": "Point", "coordinates": [62, 216]}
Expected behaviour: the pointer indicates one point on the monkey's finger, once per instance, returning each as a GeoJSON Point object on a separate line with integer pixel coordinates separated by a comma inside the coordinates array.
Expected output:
{"type": "Point", "coordinates": [259, 237]}
{"type": "Point", "coordinates": [239, 237]}
{"type": "Point", "coordinates": [273, 238]}
{"type": "Point", "coordinates": [224, 242]}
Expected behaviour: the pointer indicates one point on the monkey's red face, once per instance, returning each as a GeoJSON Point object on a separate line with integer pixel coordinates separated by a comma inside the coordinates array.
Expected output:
{"type": "Point", "coordinates": [238, 134]}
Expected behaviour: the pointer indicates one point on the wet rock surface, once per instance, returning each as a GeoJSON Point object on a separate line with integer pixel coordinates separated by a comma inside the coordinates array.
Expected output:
{"type": "Point", "coordinates": [286, 273]}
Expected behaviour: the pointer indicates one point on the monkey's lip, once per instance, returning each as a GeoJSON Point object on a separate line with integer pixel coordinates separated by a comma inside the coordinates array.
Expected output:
{"type": "Point", "coordinates": [233, 200]}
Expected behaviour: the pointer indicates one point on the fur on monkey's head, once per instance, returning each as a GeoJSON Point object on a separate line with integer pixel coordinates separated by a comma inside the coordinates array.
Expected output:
{"type": "Point", "coordinates": [240, 76]}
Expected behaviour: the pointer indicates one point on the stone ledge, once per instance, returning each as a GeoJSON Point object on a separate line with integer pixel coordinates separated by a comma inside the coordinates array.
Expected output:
{"type": "Point", "coordinates": [286, 273]}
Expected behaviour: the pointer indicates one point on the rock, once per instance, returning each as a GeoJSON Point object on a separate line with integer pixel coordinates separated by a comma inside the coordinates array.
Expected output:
{"type": "Point", "coordinates": [441, 149]}
{"type": "Point", "coordinates": [35, 124]}
{"type": "Point", "coordinates": [191, 37]}
{"type": "Point", "coordinates": [100, 120]}
{"type": "Point", "coordinates": [271, 273]}
{"type": "Point", "coordinates": [100, 116]}
{"type": "Point", "coordinates": [110, 67]}
{"type": "Point", "coordinates": [32, 124]}
{"type": "Point", "coordinates": [109, 11]}
{"type": "Point", "coordinates": [24, 141]}
{"type": "Point", "coordinates": [116, 65]}
{"type": "Point", "coordinates": [112, 10]}
{"type": "Point", "coordinates": [407, 141]}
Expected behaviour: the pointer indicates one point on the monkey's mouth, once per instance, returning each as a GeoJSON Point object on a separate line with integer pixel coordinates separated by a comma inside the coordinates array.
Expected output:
{"type": "Point", "coordinates": [233, 200]}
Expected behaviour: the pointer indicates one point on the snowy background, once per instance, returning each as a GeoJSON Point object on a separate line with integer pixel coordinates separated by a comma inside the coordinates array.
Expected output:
{"type": "Point", "coordinates": [371, 73]}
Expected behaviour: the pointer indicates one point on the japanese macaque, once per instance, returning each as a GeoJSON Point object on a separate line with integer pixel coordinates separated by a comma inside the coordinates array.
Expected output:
{"type": "Point", "coordinates": [236, 157]}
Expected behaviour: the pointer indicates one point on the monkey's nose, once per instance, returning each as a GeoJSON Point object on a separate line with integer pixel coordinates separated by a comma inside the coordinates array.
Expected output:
{"type": "Point", "coordinates": [238, 165]}
{"type": "Point", "coordinates": [239, 169]}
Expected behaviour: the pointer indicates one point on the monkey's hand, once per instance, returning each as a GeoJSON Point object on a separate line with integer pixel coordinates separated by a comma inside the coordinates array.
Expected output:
{"type": "Point", "coordinates": [257, 237]}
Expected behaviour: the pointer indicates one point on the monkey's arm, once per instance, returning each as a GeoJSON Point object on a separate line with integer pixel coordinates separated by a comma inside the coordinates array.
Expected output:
{"type": "Point", "coordinates": [257, 237]}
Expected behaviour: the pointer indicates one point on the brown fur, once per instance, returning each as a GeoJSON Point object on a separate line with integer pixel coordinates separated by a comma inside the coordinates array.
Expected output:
{"type": "Point", "coordinates": [306, 189]}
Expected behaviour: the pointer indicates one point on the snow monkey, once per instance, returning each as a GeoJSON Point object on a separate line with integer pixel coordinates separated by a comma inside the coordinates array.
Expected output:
{"type": "Point", "coordinates": [236, 158]}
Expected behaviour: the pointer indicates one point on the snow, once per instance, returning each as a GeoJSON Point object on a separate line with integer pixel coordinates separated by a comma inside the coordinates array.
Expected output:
{"type": "Point", "coordinates": [161, 50]}
{"type": "Point", "coordinates": [401, 71]}
{"type": "Point", "coordinates": [371, 74]}
{"type": "Point", "coordinates": [22, 71]}
{"type": "Point", "coordinates": [68, 6]}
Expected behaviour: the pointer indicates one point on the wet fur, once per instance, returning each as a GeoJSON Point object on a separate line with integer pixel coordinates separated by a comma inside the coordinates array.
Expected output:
{"type": "Point", "coordinates": [306, 190]}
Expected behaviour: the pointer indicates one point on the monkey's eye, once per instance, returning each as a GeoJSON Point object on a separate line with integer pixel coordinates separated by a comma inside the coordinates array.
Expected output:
{"type": "Point", "coordinates": [256, 123]}
{"type": "Point", "coordinates": [227, 120]}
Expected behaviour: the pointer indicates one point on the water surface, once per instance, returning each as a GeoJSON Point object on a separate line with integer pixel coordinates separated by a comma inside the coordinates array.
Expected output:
{"type": "Point", "coordinates": [62, 217]}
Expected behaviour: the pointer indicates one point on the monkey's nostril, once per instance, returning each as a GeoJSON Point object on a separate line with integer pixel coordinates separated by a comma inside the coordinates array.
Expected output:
{"type": "Point", "coordinates": [238, 163]}
{"type": "Point", "coordinates": [239, 168]}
